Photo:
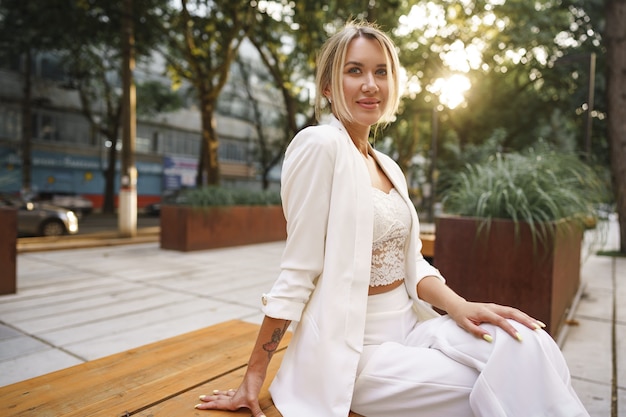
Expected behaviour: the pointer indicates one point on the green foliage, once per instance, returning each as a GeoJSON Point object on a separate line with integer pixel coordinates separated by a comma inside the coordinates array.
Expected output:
{"type": "Point", "coordinates": [202, 42]}
{"type": "Point", "coordinates": [536, 188]}
{"type": "Point", "coordinates": [203, 39]}
{"type": "Point", "coordinates": [27, 26]}
{"type": "Point", "coordinates": [212, 196]}
{"type": "Point", "coordinates": [153, 97]}
{"type": "Point", "coordinates": [516, 87]}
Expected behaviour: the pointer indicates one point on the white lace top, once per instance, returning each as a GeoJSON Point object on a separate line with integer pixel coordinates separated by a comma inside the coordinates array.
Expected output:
{"type": "Point", "coordinates": [392, 222]}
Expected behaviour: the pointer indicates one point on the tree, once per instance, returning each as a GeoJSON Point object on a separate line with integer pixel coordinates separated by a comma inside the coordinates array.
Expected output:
{"type": "Point", "coordinates": [204, 37]}
{"type": "Point", "coordinates": [510, 45]}
{"type": "Point", "coordinates": [27, 28]}
{"type": "Point", "coordinates": [265, 116]}
{"type": "Point", "coordinates": [615, 41]}
{"type": "Point", "coordinates": [598, 27]}
{"type": "Point", "coordinates": [288, 42]}
{"type": "Point", "coordinates": [288, 54]}
{"type": "Point", "coordinates": [95, 67]}
{"type": "Point", "coordinates": [93, 63]}
{"type": "Point", "coordinates": [507, 50]}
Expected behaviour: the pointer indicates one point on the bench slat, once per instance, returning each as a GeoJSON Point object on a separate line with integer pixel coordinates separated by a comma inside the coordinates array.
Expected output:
{"type": "Point", "coordinates": [183, 404]}
{"type": "Point", "coordinates": [134, 379]}
{"type": "Point", "coordinates": [161, 379]}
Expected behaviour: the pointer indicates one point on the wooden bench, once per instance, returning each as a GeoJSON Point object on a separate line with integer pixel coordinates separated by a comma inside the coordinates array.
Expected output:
{"type": "Point", "coordinates": [162, 379]}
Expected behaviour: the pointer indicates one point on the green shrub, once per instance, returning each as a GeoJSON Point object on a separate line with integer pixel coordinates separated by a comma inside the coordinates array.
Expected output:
{"type": "Point", "coordinates": [218, 196]}
{"type": "Point", "coordinates": [531, 187]}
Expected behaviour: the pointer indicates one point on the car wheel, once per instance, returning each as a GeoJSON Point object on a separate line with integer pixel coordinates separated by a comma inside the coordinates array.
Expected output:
{"type": "Point", "coordinates": [52, 228]}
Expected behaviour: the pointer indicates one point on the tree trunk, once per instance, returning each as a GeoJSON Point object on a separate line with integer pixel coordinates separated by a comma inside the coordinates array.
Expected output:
{"type": "Point", "coordinates": [615, 38]}
{"type": "Point", "coordinates": [208, 168]}
{"type": "Point", "coordinates": [407, 145]}
{"type": "Point", "coordinates": [108, 205]}
{"type": "Point", "coordinates": [27, 124]}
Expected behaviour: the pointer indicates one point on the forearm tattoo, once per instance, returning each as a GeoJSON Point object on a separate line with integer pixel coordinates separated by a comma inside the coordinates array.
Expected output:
{"type": "Point", "coordinates": [271, 346]}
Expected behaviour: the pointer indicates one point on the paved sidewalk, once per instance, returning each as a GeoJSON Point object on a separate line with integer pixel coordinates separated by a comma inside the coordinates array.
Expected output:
{"type": "Point", "coordinates": [75, 305]}
{"type": "Point", "coordinates": [594, 344]}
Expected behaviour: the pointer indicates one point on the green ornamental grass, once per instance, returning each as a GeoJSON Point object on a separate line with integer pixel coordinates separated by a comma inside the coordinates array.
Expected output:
{"type": "Point", "coordinates": [212, 196]}
{"type": "Point", "coordinates": [538, 189]}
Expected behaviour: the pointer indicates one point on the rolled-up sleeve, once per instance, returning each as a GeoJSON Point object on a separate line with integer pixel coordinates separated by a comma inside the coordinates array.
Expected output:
{"type": "Point", "coordinates": [306, 184]}
{"type": "Point", "coordinates": [423, 268]}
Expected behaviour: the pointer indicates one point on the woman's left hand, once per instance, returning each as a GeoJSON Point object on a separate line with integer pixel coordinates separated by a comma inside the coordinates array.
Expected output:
{"type": "Point", "coordinates": [469, 315]}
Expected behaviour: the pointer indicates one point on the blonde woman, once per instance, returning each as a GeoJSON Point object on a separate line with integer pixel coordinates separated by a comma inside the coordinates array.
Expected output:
{"type": "Point", "coordinates": [359, 292]}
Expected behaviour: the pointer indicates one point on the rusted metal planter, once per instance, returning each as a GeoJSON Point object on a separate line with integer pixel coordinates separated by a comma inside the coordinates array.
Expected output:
{"type": "Point", "coordinates": [499, 266]}
{"type": "Point", "coordinates": [8, 250]}
{"type": "Point", "coordinates": [185, 228]}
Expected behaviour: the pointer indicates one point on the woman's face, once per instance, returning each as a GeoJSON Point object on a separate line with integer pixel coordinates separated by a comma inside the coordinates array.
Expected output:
{"type": "Point", "coordinates": [365, 84]}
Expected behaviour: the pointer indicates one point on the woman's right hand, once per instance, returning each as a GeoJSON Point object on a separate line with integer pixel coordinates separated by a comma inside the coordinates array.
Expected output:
{"type": "Point", "coordinates": [246, 396]}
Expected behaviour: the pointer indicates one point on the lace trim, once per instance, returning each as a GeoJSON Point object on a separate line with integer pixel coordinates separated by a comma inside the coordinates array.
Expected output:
{"type": "Point", "coordinates": [392, 223]}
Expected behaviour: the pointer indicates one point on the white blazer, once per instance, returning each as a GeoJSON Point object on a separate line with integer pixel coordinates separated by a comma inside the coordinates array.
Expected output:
{"type": "Point", "coordinates": [325, 269]}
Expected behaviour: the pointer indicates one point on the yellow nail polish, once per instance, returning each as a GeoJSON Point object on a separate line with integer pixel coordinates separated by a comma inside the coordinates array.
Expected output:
{"type": "Point", "coordinates": [536, 326]}
{"type": "Point", "coordinates": [197, 406]}
{"type": "Point", "coordinates": [542, 324]}
{"type": "Point", "coordinates": [216, 391]}
{"type": "Point", "coordinates": [518, 336]}
{"type": "Point", "coordinates": [202, 397]}
{"type": "Point", "coordinates": [488, 338]}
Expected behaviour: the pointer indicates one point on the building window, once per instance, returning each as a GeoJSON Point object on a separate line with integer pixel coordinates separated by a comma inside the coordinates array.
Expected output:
{"type": "Point", "coordinates": [143, 139]}
{"type": "Point", "coordinates": [45, 127]}
{"type": "Point", "coordinates": [50, 68]}
{"type": "Point", "coordinates": [10, 120]}
{"type": "Point", "coordinates": [73, 128]}
{"type": "Point", "coordinates": [232, 150]}
{"type": "Point", "coordinates": [155, 142]}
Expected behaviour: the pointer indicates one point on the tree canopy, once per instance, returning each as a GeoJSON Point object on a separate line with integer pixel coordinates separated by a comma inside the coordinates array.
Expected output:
{"type": "Point", "coordinates": [520, 73]}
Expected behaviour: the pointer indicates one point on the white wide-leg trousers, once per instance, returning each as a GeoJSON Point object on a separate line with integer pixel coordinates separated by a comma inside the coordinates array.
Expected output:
{"type": "Point", "coordinates": [436, 369]}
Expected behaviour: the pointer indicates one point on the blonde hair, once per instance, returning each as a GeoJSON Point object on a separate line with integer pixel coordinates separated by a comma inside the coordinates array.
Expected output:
{"type": "Point", "coordinates": [331, 60]}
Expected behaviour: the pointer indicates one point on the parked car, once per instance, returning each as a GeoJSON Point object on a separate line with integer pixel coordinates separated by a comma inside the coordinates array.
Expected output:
{"type": "Point", "coordinates": [80, 205]}
{"type": "Point", "coordinates": [41, 219]}
{"type": "Point", "coordinates": [168, 197]}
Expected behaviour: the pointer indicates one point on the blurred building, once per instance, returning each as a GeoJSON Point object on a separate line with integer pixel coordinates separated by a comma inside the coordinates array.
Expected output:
{"type": "Point", "coordinates": [70, 155]}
